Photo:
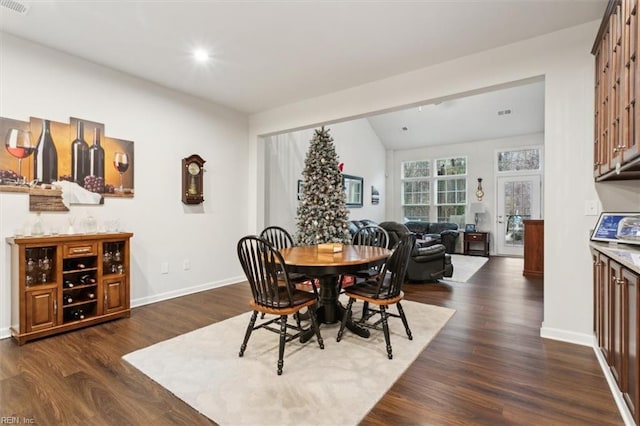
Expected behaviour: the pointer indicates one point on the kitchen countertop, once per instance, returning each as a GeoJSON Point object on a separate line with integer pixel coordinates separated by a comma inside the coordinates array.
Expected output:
{"type": "Point", "coordinates": [625, 254]}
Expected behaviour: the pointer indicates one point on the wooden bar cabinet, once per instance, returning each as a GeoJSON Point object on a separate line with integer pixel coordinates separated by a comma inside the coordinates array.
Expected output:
{"type": "Point", "coordinates": [64, 282]}
{"type": "Point", "coordinates": [533, 248]}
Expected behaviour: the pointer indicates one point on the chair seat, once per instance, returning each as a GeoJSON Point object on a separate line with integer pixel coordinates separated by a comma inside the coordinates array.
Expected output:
{"type": "Point", "coordinates": [367, 291]}
{"type": "Point", "coordinates": [294, 277]}
{"type": "Point", "coordinates": [298, 298]}
{"type": "Point", "coordinates": [367, 273]}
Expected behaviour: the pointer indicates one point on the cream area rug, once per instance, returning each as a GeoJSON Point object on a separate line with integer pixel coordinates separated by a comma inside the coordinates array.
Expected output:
{"type": "Point", "coordinates": [465, 266]}
{"type": "Point", "coordinates": [334, 386]}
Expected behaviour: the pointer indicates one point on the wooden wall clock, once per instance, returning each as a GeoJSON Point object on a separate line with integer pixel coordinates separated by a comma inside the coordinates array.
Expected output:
{"type": "Point", "coordinates": [479, 191]}
{"type": "Point", "coordinates": [192, 179]}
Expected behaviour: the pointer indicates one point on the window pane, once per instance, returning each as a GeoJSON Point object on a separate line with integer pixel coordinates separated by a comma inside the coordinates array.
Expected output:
{"type": "Point", "coordinates": [451, 166]}
{"type": "Point", "coordinates": [517, 203]}
{"type": "Point", "coordinates": [415, 192]}
{"type": "Point", "coordinates": [415, 169]}
{"type": "Point", "coordinates": [416, 189]}
{"type": "Point", "coordinates": [451, 191]}
{"type": "Point", "coordinates": [445, 213]}
{"type": "Point", "coordinates": [416, 213]}
{"type": "Point", "coordinates": [524, 159]}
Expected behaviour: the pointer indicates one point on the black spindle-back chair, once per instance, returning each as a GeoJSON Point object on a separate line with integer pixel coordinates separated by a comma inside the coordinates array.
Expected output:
{"type": "Point", "coordinates": [265, 269]}
{"type": "Point", "coordinates": [383, 291]}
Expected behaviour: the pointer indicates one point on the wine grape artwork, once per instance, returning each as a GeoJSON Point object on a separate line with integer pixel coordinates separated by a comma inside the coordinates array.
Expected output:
{"type": "Point", "coordinates": [59, 164]}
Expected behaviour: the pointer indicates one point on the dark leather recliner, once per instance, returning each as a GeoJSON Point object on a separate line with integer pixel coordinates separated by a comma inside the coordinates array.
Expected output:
{"type": "Point", "coordinates": [354, 225]}
{"type": "Point", "coordinates": [440, 232]}
{"type": "Point", "coordinates": [428, 262]}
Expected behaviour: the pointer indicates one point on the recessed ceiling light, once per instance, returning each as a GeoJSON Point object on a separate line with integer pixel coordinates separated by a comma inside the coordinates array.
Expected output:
{"type": "Point", "coordinates": [201, 55]}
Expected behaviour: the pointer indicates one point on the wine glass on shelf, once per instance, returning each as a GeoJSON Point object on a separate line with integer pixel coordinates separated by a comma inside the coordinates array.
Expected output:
{"type": "Point", "coordinates": [121, 163]}
{"type": "Point", "coordinates": [18, 143]}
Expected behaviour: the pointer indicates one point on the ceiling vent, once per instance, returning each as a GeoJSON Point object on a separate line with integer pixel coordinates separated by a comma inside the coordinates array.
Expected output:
{"type": "Point", "coordinates": [20, 7]}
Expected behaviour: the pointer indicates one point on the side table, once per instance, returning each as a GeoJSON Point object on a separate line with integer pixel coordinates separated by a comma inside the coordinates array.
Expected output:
{"type": "Point", "coordinates": [479, 242]}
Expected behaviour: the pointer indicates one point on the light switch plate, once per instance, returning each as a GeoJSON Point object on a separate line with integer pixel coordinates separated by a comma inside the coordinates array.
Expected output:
{"type": "Point", "coordinates": [591, 208]}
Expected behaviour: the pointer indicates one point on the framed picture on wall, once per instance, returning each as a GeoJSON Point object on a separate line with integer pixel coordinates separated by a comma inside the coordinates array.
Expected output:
{"type": "Point", "coordinates": [353, 188]}
{"type": "Point", "coordinates": [300, 185]}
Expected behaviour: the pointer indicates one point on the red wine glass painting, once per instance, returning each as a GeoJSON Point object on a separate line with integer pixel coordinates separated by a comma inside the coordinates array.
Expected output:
{"type": "Point", "coordinates": [18, 143]}
{"type": "Point", "coordinates": [121, 163]}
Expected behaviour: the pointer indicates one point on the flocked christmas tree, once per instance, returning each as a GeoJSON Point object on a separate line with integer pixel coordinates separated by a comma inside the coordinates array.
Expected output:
{"type": "Point", "coordinates": [322, 214]}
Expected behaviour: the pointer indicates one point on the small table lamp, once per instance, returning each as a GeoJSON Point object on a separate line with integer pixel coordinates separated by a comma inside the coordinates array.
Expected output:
{"type": "Point", "coordinates": [478, 210]}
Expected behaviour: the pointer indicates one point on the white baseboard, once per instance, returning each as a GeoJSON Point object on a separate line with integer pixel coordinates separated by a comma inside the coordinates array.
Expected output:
{"type": "Point", "coordinates": [185, 291]}
{"type": "Point", "coordinates": [590, 340]}
{"type": "Point", "coordinates": [566, 336]}
{"type": "Point", "coordinates": [6, 332]}
{"type": "Point", "coordinates": [613, 386]}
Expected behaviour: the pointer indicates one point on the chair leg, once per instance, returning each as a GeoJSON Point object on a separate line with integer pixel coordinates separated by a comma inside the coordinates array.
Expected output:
{"type": "Point", "coordinates": [343, 323]}
{"type": "Point", "coordinates": [385, 328]}
{"type": "Point", "coordinates": [404, 321]}
{"type": "Point", "coordinates": [283, 336]}
{"type": "Point", "coordinates": [365, 310]}
{"type": "Point", "coordinates": [298, 317]}
{"type": "Point", "coordinates": [316, 326]}
{"type": "Point", "coordinates": [252, 322]}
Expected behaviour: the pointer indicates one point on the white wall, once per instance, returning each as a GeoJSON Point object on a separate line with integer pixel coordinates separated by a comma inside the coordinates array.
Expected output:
{"type": "Point", "coordinates": [357, 146]}
{"type": "Point", "coordinates": [165, 127]}
{"type": "Point", "coordinates": [481, 162]}
{"type": "Point", "coordinates": [563, 58]}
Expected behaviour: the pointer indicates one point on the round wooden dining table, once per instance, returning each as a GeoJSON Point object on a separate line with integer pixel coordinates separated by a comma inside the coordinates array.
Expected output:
{"type": "Point", "coordinates": [327, 267]}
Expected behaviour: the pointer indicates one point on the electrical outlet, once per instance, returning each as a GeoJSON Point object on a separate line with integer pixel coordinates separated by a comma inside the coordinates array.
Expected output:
{"type": "Point", "coordinates": [164, 268]}
{"type": "Point", "coordinates": [186, 264]}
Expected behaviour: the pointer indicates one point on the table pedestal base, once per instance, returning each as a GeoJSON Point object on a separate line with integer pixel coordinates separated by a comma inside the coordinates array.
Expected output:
{"type": "Point", "coordinates": [330, 311]}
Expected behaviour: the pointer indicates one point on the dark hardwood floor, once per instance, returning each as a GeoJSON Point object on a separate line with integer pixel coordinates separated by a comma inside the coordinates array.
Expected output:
{"type": "Point", "coordinates": [488, 365]}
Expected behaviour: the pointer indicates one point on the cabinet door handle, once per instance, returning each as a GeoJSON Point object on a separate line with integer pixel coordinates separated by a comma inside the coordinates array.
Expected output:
{"type": "Point", "coordinates": [55, 307]}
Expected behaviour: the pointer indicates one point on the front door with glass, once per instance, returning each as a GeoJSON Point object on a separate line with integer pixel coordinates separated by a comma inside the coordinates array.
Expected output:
{"type": "Point", "coordinates": [519, 198]}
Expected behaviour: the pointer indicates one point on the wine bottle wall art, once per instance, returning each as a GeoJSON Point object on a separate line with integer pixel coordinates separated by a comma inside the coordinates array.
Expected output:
{"type": "Point", "coordinates": [78, 156]}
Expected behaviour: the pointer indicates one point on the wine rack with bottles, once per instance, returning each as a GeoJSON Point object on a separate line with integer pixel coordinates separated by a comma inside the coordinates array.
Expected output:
{"type": "Point", "coordinates": [64, 282]}
{"type": "Point", "coordinates": [79, 288]}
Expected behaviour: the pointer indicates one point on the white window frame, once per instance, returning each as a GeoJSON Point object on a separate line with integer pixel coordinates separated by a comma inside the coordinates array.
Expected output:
{"type": "Point", "coordinates": [404, 180]}
{"type": "Point", "coordinates": [540, 170]}
{"type": "Point", "coordinates": [438, 178]}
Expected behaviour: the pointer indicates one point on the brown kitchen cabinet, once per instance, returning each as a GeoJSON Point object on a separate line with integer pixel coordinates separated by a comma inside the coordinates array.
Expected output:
{"type": "Point", "coordinates": [616, 134]}
{"type": "Point", "coordinates": [616, 319]}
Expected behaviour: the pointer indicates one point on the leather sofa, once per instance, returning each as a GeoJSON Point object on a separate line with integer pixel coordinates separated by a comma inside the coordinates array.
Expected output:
{"type": "Point", "coordinates": [354, 225]}
{"type": "Point", "coordinates": [429, 261]}
{"type": "Point", "coordinates": [440, 232]}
